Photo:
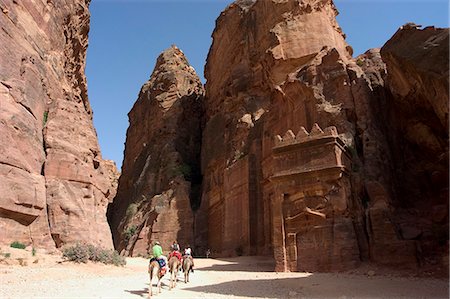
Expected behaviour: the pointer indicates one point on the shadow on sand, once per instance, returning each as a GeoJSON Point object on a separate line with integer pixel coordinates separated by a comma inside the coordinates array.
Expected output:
{"type": "Point", "coordinates": [245, 264]}
{"type": "Point", "coordinates": [325, 286]}
{"type": "Point", "coordinates": [252, 288]}
{"type": "Point", "coordinates": [144, 292]}
{"type": "Point", "coordinates": [140, 293]}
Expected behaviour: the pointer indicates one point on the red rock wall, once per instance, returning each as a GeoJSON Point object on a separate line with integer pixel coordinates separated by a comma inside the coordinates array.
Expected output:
{"type": "Point", "coordinates": [236, 204]}
{"type": "Point", "coordinates": [417, 113]}
{"type": "Point", "coordinates": [157, 194]}
{"type": "Point", "coordinates": [276, 66]}
{"type": "Point", "coordinates": [252, 95]}
{"type": "Point", "coordinates": [54, 182]}
{"type": "Point", "coordinates": [319, 200]}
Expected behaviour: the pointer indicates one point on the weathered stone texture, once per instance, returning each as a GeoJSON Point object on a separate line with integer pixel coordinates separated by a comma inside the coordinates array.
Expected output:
{"type": "Point", "coordinates": [160, 175]}
{"type": "Point", "coordinates": [417, 113]}
{"type": "Point", "coordinates": [54, 182]}
{"type": "Point", "coordinates": [278, 67]}
{"type": "Point", "coordinates": [271, 81]}
{"type": "Point", "coordinates": [236, 211]}
{"type": "Point", "coordinates": [312, 198]}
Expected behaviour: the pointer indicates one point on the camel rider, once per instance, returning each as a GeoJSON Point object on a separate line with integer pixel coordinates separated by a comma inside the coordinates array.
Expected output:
{"type": "Point", "coordinates": [158, 252]}
{"type": "Point", "coordinates": [188, 251]}
{"type": "Point", "coordinates": [175, 251]}
{"type": "Point", "coordinates": [188, 254]}
{"type": "Point", "coordinates": [175, 246]}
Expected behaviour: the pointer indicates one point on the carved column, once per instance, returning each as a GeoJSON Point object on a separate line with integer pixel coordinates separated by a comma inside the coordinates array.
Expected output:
{"type": "Point", "coordinates": [278, 233]}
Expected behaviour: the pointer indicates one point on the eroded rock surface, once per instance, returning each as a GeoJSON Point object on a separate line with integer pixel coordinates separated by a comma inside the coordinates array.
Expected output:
{"type": "Point", "coordinates": [307, 154]}
{"type": "Point", "coordinates": [55, 186]}
{"type": "Point", "coordinates": [158, 188]}
{"type": "Point", "coordinates": [417, 113]}
{"type": "Point", "coordinates": [284, 68]}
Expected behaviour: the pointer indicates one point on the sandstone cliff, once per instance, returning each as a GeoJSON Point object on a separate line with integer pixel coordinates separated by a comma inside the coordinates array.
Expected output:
{"type": "Point", "coordinates": [158, 188]}
{"type": "Point", "coordinates": [307, 154]}
{"type": "Point", "coordinates": [284, 69]}
{"type": "Point", "coordinates": [55, 186]}
{"type": "Point", "coordinates": [417, 113]}
{"type": "Point", "coordinates": [324, 195]}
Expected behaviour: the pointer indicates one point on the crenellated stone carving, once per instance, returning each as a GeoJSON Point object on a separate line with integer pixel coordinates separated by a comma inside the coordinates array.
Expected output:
{"type": "Point", "coordinates": [317, 150]}
{"type": "Point", "coordinates": [312, 229]}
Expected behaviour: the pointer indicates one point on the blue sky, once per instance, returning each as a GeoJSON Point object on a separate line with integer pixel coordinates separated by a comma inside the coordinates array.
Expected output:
{"type": "Point", "coordinates": [126, 37]}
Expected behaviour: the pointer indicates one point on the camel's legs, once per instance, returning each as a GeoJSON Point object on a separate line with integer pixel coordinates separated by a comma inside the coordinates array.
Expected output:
{"type": "Point", "coordinates": [150, 287]}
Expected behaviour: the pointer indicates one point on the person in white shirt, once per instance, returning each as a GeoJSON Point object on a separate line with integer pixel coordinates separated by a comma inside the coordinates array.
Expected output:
{"type": "Point", "coordinates": [188, 254]}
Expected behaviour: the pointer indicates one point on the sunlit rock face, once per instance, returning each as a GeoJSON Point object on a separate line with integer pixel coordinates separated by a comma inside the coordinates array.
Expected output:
{"type": "Point", "coordinates": [276, 66]}
{"type": "Point", "coordinates": [158, 189]}
{"type": "Point", "coordinates": [55, 186]}
{"type": "Point", "coordinates": [281, 71]}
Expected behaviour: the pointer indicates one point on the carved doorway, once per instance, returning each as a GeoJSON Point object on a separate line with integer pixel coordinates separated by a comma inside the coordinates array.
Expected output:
{"type": "Point", "coordinates": [306, 231]}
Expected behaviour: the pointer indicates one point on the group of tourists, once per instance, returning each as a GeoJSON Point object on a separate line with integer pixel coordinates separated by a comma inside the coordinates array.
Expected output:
{"type": "Point", "coordinates": [174, 251]}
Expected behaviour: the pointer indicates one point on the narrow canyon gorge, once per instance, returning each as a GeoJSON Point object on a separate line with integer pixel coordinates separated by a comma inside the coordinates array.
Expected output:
{"type": "Point", "coordinates": [293, 149]}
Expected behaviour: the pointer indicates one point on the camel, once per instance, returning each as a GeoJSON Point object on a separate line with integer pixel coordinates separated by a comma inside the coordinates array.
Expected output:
{"type": "Point", "coordinates": [188, 263]}
{"type": "Point", "coordinates": [174, 267]}
{"type": "Point", "coordinates": [154, 270]}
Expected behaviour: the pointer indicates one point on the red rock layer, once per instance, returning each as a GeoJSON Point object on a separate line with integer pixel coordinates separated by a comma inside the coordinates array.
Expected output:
{"type": "Point", "coordinates": [160, 176]}
{"type": "Point", "coordinates": [284, 68]}
{"type": "Point", "coordinates": [417, 114]}
{"type": "Point", "coordinates": [267, 72]}
{"type": "Point", "coordinates": [55, 186]}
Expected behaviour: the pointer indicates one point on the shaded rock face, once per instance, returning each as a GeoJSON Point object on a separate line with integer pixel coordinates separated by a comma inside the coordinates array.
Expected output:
{"type": "Point", "coordinates": [417, 113]}
{"type": "Point", "coordinates": [158, 188]}
{"type": "Point", "coordinates": [284, 68]}
{"type": "Point", "coordinates": [55, 186]}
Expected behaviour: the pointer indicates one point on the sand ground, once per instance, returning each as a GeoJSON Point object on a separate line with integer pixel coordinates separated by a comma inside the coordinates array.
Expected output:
{"type": "Point", "coordinates": [242, 277]}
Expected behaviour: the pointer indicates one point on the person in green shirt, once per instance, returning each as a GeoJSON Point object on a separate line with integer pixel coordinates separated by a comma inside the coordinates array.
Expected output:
{"type": "Point", "coordinates": [158, 252]}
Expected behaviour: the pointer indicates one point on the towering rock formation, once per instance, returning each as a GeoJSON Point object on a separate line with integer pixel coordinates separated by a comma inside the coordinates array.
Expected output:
{"type": "Point", "coordinates": [417, 113]}
{"type": "Point", "coordinates": [285, 69]}
{"type": "Point", "coordinates": [159, 186]}
{"type": "Point", "coordinates": [307, 154]}
{"type": "Point", "coordinates": [272, 79]}
{"type": "Point", "coordinates": [323, 195]}
{"type": "Point", "coordinates": [55, 186]}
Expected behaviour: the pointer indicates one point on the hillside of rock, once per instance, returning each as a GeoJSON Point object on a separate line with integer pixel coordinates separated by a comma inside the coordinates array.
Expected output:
{"type": "Point", "coordinates": [293, 149]}
{"type": "Point", "coordinates": [55, 185]}
{"type": "Point", "coordinates": [416, 111]}
{"type": "Point", "coordinates": [298, 153]}
{"type": "Point", "coordinates": [158, 189]}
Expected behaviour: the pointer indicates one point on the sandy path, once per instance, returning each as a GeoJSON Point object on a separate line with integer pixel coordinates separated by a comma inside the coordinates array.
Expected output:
{"type": "Point", "coordinates": [242, 277]}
